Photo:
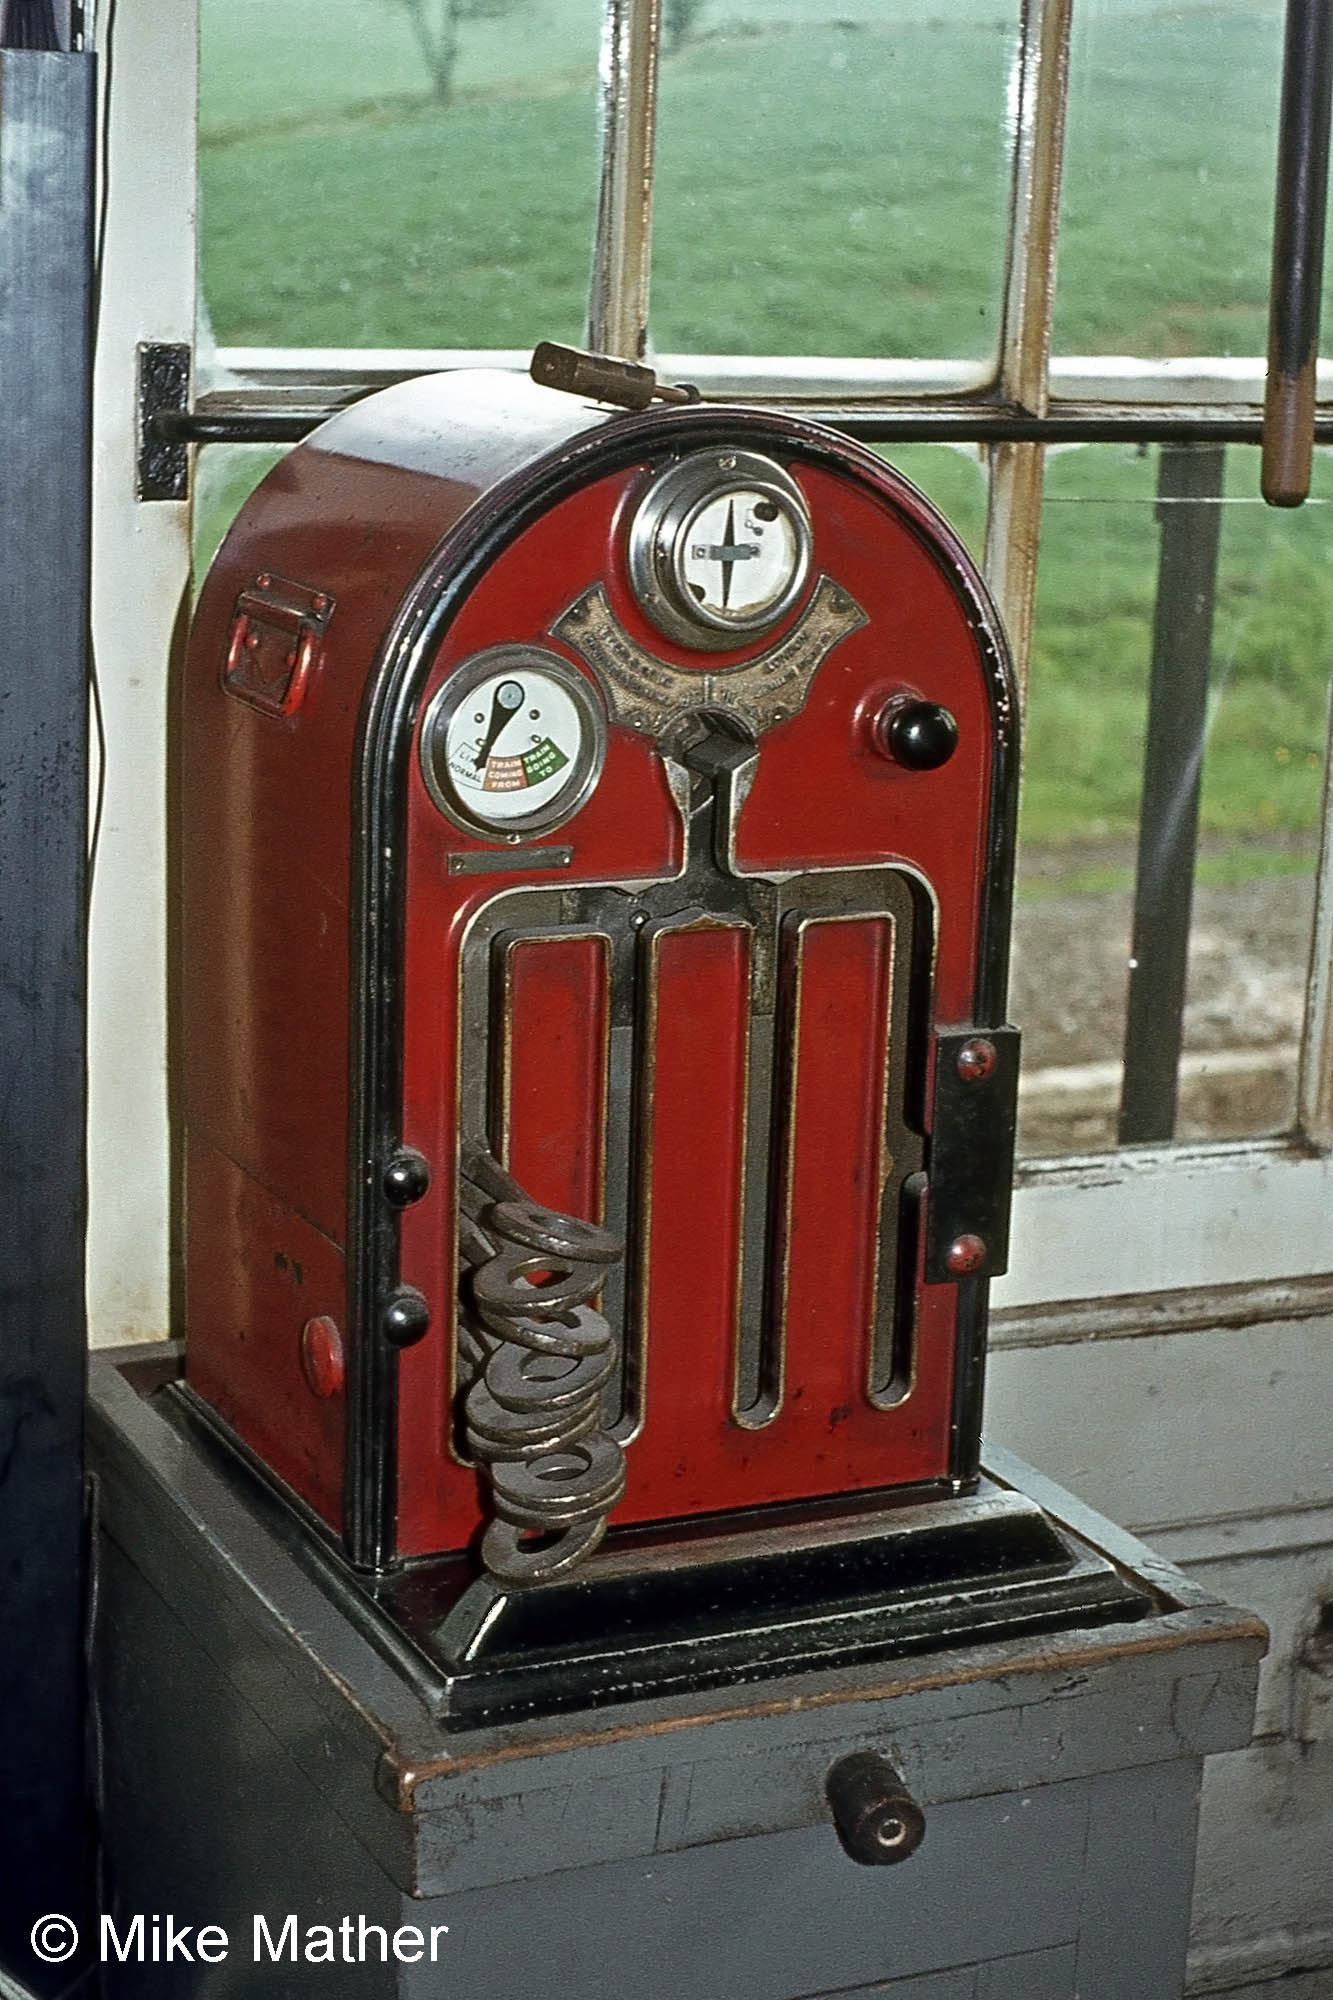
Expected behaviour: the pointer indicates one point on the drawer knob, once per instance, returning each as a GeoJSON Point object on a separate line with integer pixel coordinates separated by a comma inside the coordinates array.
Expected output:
{"type": "Point", "coordinates": [877, 1819]}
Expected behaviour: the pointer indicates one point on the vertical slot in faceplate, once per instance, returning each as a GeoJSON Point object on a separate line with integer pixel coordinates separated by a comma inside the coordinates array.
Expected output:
{"type": "Point", "coordinates": [690, 1141]}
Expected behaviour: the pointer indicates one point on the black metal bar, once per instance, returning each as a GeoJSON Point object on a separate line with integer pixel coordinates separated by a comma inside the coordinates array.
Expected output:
{"type": "Point", "coordinates": [984, 425]}
{"type": "Point", "coordinates": [1189, 485]}
{"type": "Point", "coordinates": [46, 242]}
{"type": "Point", "coordinates": [1298, 251]}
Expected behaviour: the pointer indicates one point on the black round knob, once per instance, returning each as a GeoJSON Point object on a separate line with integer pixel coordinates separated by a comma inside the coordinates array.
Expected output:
{"type": "Point", "coordinates": [919, 734]}
{"type": "Point", "coordinates": [406, 1317]}
{"type": "Point", "coordinates": [406, 1178]}
{"type": "Point", "coordinates": [877, 1819]}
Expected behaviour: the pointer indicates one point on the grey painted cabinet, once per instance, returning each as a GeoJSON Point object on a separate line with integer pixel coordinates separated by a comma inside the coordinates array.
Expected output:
{"type": "Point", "coordinates": [263, 1758]}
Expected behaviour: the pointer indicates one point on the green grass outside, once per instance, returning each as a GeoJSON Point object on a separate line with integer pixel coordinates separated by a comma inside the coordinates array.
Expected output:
{"type": "Point", "coordinates": [833, 187]}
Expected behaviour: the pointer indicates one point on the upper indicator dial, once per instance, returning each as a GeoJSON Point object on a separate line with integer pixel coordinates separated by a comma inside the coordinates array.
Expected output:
{"type": "Point", "coordinates": [720, 548]}
{"type": "Point", "coordinates": [513, 742]}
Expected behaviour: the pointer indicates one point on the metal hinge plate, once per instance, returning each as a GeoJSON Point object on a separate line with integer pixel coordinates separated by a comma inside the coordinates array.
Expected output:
{"type": "Point", "coordinates": [971, 1163]}
{"type": "Point", "coordinates": [162, 469]}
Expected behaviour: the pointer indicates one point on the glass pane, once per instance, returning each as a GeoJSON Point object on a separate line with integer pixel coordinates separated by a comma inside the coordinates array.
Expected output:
{"type": "Point", "coordinates": [954, 477]}
{"type": "Point", "coordinates": [1167, 204]}
{"type": "Point", "coordinates": [362, 186]}
{"type": "Point", "coordinates": [832, 178]}
{"type": "Point", "coordinates": [225, 475]}
{"type": "Point", "coordinates": [1262, 771]}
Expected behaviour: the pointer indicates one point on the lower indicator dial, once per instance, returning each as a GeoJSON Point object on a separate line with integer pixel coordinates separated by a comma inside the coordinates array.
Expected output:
{"type": "Point", "coordinates": [513, 742]}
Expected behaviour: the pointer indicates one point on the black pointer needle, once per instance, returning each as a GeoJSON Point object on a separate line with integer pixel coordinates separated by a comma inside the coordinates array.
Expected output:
{"type": "Point", "coordinates": [729, 560]}
{"type": "Point", "coordinates": [508, 700]}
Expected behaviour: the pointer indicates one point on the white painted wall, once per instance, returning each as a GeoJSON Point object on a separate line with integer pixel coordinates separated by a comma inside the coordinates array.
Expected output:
{"type": "Point", "coordinates": [140, 576]}
{"type": "Point", "coordinates": [1216, 1444]}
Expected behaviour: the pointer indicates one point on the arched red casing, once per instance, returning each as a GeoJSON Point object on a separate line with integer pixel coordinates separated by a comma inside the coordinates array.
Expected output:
{"type": "Point", "coordinates": [360, 974]}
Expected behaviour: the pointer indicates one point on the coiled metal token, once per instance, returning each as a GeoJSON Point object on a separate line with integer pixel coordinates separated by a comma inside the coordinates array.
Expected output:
{"type": "Point", "coordinates": [502, 1287]}
{"type": "Point", "coordinates": [561, 1487]}
{"type": "Point", "coordinates": [495, 1432]}
{"type": "Point", "coordinates": [507, 1554]}
{"type": "Point", "coordinates": [524, 1381]}
{"type": "Point", "coordinates": [563, 1236]}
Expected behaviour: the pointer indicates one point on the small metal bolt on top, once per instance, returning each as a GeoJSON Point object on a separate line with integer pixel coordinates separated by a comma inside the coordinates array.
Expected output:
{"type": "Point", "coordinates": [605, 378]}
{"type": "Point", "coordinates": [966, 1255]}
{"type": "Point", "coordinates": [977, 1060]}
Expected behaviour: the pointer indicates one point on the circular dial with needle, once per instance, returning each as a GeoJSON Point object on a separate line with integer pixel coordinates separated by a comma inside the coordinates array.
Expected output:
{"type": "Point", "coordinates": [513, 742]}
{"type": "Point", "coordinates": [719, 548]}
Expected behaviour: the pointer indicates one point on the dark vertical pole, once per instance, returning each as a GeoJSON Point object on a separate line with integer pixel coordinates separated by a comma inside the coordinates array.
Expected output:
{"type": "Point", "coordinates": [1298, 252]}
{"type": "Point", "coordinates": [1189, 485]}
{"type": "Point", "coordinates": [46, 180]}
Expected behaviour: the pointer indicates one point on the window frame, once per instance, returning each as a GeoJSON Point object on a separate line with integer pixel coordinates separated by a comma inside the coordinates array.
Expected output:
{"type": "Point", "coordinates": [1136, 1220]}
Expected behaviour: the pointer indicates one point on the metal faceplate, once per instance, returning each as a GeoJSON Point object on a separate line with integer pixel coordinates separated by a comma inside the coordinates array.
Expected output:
{"type": "Point", "coordinates": [719, 548]}
{"type": "Point", "coordinates": [658, 962]}
{"type": "Point", "coordinates": [700, 1015]}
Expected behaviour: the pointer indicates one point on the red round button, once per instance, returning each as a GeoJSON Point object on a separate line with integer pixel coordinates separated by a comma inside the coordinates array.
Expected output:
{"type": "Point", "coordinates": [965, 1255]}
{"type": "Point", "coordinates": [322, 1361]}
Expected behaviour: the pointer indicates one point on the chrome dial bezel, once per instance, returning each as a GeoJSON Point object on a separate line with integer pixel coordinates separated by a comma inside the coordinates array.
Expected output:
{"type": "Point", "coordinates": [659, 540]}
{"type": "Point", "coordinates": [585, 766]}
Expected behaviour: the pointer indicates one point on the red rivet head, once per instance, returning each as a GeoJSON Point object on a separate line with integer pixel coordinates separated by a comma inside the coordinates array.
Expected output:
{"type": "Point", "coordinates": [977, 1060]}
{"type": "Point", "coordinates": [965, 1256]}
{"type": "Point", "coordinates": [322, 1361]}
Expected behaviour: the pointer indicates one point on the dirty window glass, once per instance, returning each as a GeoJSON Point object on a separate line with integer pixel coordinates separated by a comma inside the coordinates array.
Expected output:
{"type": "Point", "coordinates": [397, 173]}
{"type": "Point", "coordinates": [1262, 711]}
{"type": "Point", "coordinates": [1167, 198]}
{"type": "Point", "coordinates": [832, 178]}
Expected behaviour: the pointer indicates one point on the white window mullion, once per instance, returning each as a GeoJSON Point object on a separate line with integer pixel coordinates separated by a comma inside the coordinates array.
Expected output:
{"type": "Point", "coordinates": [618, 295]}
{"type": "Point", "coordinates": [1013, 520]}
{"type": "Point", "coordinates": [140, 579]}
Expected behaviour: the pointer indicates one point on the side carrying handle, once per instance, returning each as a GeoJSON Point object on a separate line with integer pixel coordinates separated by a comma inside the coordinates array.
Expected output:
{"type": "Point", "coordinates": [535, 1357]}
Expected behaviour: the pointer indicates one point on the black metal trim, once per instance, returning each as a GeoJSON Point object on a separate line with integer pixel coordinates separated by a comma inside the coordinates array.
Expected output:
{"type": "Point", "coordinates": [379, 825]}
{"type": "Point", "coordinates": [984, 424]}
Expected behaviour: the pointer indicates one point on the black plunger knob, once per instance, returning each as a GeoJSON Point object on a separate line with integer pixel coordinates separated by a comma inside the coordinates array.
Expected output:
{"type": "Point", "coordinates": [406, 1178]}
{"type": "Point", "coordinates": [406, 1317]}
{"type": "Point", "coordinates": [920, 734]}
{"type": "Point", "coordinates": [877, 1819]}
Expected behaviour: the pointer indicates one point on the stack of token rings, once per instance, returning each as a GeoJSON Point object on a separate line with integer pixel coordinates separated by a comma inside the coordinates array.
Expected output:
{"type": "Point", "coordinates": [538, 1357]}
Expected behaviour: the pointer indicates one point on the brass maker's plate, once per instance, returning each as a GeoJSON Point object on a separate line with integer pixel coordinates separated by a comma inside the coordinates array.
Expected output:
{"type": "Point", "coordinates": [645, 692]}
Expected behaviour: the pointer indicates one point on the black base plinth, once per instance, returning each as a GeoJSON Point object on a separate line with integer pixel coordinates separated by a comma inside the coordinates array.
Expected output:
{"type": "Point", "coordinates": [692, 1605]}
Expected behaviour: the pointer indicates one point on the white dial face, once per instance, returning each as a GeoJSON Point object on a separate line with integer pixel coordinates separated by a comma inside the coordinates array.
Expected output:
{"type": "Point", "coordinates": [738, 554]}
{"type": "Point", "coordinates": [720, 548]}
{"type": "Point", "coordinates": [513, 745]}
